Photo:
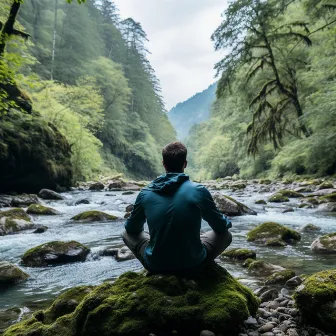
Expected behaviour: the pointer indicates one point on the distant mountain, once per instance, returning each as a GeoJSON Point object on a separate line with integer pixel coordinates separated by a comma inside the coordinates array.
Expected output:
{"type": "Point", "coordinates": [193, 111]}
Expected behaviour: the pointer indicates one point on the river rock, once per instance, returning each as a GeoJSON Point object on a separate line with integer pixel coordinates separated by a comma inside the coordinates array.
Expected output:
{"type": "Point", "coordinates": [38, 209]}
{"type": "Point", "coordinates": [263, 268]}
{"type": "Point", "coordinates": [97, 186]}
{"type": "Point", "coordinates": [24, 200]}
{"type": "Point", "coordinates": [238, 254]}
{"type": "Point", "coordinates": [260, 202]}
{"type": "Point", "coordinates": [325, 185]}
{"type": "Point", "coordinates": [5, 201]}
{"type": "Point", "coordinates": [265, 181]}
{"type": "Point", "coordinates": [93, 216]}
{"type": "Point", "coordinates": [290, 193]}
{"type": "Point", "coordinates": [110, 251]}
{"type": "Point", "coordinates": [116, 185]}
{"type": "Point", "coordinates": [325, 244]}
{"type": "Point", "coordinates": [13, 221]}
{"type": "Point", "coordinates": [273, 234]}
{"type": "Point", "coordinates": [323, 192]}
{"type": "Point", "coordinates": [138, 304]}
{"type": "Point", "coordinates": [278, 198]}
{"type": "Point", "coordinates": [280, 277]}
{"type": "Point", "coordinates": [11, 274]}
{"type": "Point", "coordinates": [231, 207]}
{"type": "Point", "coordinates": [48, 194]}
{"type": "Point", "coordinates": [310, 228]}
{"type": "Point", "coordinates": [82, 201]}
{"type": "Point", "coordinates": [56, 252]}
{"type": "Point", "coordinates": [294, 282]}
{"type": "Point", "coordinates": [269, 295]}
{"type": "Point", "coordinates": [315, 299]}
{"type": "Point", "coordinates": [328, 198]}
{"type": "Point", "coordinates": [124, 254]}
{"type": "Point", "coordinates": [327, 207]}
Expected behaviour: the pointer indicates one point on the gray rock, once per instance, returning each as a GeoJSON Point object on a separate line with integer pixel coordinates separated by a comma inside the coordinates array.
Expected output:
{"type": "Point", "coordinates": [97, 186]}
{"type": "Point", "coordinates": [128, 193]}
{"type": "Point", "coordinates": [294, 282]}
{"type": "Point", "coordinates": [325, 244]}
{"type": "Point", "coordinates": [292, 332]}
{"type": "Point", "coordinates": [48, 194]}
{"type": "Point", "coordinates": [110, 251]}
{"type": "Point", "coordinates": [269, 295]}
{"type": "Point", "coordinates": [124, 254]}
{"type": "Point", "coordinates": [11, 274]}
{"type": "Point", "coordinates": [266, 327]}
{"type": "Point", "coordinates": [251, 321]}
{"type": "Point", "coordinates": [41, 229]}
{"type": "Point", "coordinates": [13, 221]}
{"type": "Point", "coordinates": [82, 201]}
{"type": "Point", "coordinates": [231, 207]}
{"type": "Point", "coordinates": [207, 333]}
{"type": "Point", "coordinates": [24, 200]}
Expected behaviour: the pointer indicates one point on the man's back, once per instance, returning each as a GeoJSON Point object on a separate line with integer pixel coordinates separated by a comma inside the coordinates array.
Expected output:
{"type": "Point", "coordinates": [174, 207]}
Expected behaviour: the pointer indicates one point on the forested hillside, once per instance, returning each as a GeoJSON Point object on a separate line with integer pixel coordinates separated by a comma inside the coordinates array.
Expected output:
{"type": "Point", "coordinates": [193, 111]}
{"type": "Point", "coordinates": [82, 70]}
{"type": "Point", "coordinates": [275, 112]}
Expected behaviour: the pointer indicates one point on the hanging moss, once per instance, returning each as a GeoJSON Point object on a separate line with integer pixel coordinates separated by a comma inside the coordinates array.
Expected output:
{"type": "Point", "coordinates": [33, 154]}
{"type": "Point", "coordinates": [137, 305]}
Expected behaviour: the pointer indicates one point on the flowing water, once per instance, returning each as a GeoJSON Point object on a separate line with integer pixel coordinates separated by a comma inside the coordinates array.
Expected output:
{"type": "Point", "coordinates": [47, 282]}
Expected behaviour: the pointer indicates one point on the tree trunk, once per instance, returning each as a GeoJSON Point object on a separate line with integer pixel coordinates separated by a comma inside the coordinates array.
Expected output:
{"type": "Point", "coordinates": [9, 26]}
{"type": "Point", "coordinates": [54, 42]}
{"type": "Point", "coordinates": [299, 114]}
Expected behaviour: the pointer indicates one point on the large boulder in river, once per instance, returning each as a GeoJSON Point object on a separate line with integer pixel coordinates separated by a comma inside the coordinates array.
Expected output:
{"type": "Point", "coordinates": [273, 234]}
{"type": "Point", "coordinates": [11, 274]}
{"type": "Point", "coordinates": [140, 304]}
{"type": "Point", "coordinates": [24, 200]}
{"type": "Point", "coordinates": [56, 252]}
{"type": "Point", "coordinates": [38, 209]}
{"type": "Point", "coordinates": [93, 216]}
{"type": "Point", "coordinates": [97, 186]}
{"type": "Point", "coordinates": [325, 244]}
{"type": "Point", "coordinates": [48, 194]}
{"type": "Point", "coordinates": [33, 154]}
{"type": "Point", "coordinates": [13, 221]}
{"type": "Point", "coordinates": [230, 207]}
{"type": "Point", "coordinates": [262, 268]}
{"type": "Point", "coordinates": [315, 298]}
{"type": "Point", "coordinates": [280, 277]}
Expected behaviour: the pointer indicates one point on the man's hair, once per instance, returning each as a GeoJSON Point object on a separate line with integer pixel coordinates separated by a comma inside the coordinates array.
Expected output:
{"type": "Point", "coordinates": [174, 156]}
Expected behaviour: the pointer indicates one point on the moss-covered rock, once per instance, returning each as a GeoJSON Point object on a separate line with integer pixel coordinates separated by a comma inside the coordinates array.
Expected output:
{"type": "Point", "coordinates": [14, 220]}
{"type": "Point", "coordinates": [56, 252]}
{"type": "Point", "coordinates": [315, 298]}
{"type": "Point", "coordinates": [238, 186]}
{"type": "Point", "coordinates": [328, 198]}
{"type": "Point", "coordinates": [312, 200]}
{"type": "Point", "coordinates": [240, 254]}
{"type": "Point", "coordinates": [97, 186]}
{"type": "Point", "coordinates": [230, 207]}
{"type": "Point", "coordinates": [11, 274]}
{"type": "Point", "coordinates": [265, 181]}
{"type": "Point", "coordinates": [37, 209]}
{"type": "Point", "coordinates": [325, 244]}
{"type": "Point", "coordinates": [93, 216]}
{"type": "Point", "coordinates": [280, 277]}
{"type": "Point", "coordinates": [263, 268]}
{"type": "Point", "coordinates": [260, 202]}
{"type": "Point", "coordinates": [325, 185]}
{"type": "Point", "coordinates": [137, 305]}
{"type": "Point", "coordinates": [273, 234]}
{"type": "Point", "coordinates": [289, 193]}
{"type": "Point", "coordinates": [278, 198]}
{"type": "Point", "coordinates": [33, 154]}
{"type": "Point", "coordinates": [310, 228]}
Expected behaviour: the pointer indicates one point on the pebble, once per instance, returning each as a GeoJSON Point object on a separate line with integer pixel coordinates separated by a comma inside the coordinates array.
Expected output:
{"type": "Point", "coordinates": [292, 332]}
{"type": "Point", "coordinates": [273, 304]}
{"type": "Point", "coordinates": [269, 295]}
{"type": "Point", "coordinates": [207, 333]}
{"type": "Point", "coordinates": [266, 327]}
{"type": "Point", "coordinates": [251, 321]}
{"type": "Point", "coordinates": [253, 333]}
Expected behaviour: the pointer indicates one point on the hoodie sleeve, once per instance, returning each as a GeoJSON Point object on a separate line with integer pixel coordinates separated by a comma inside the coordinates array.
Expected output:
{"type": "Point", "coordinates": [135, 223]}
{"type": "Point", "coordinates": [210, 213]}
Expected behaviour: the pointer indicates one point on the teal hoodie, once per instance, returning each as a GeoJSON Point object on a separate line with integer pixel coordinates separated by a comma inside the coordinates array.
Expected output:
{"type": "Point", "coordinates": [174, 207]}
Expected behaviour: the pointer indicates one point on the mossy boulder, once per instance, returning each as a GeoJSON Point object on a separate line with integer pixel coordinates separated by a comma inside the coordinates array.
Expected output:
{"type": "Point", "coordinates": [56, 252]}
{"type": "Point", "coordinates": [37, 209]}
{"type": "Point", "coordinates": [328, 198]}
{"type": "Point", "coordinates": [260, 202]}
{"type": "Point", "coordinates": [280, 277]}
{"type": "Point", "coordinates": [24, 200]}
{"type": "Point", "coordinates": [315, 298]}
{"type": "Point", "coordinates": [325, 244]}
{"type": "Point", "coordinates": [290, 193]}
{"type": "Point", "coordinates": [137, 305]}
{"type": "Point", "coordinates": [310, 228]}
{"type": "Point", "coordinates": [263, 268]}
{"type": "Point", "coordinates": [239, 254]}
{"type": "Point", "coordinates": [265, 181]}
{"type": "Point", "coordinates": [230, 207]}
{"type": "Point", "coordinates": [11, 274]}
{"type": "Point", "coordinates": [278, 198]}
{"type": "Point", "coordinates": [48, 194]}
{"type": "Point", "coordinates": [238, 186]}
{"type": "Point", "coordinates": [97, 186]}
{"type": "Point", "coordinates": [273, 234]}
{"type": "Point", "coordinates": [13, 221]}
{"type": "Point", "coordinates": [33, 154]}
{"type": "Point", "coordinates": [325, 185]}
{"type": "Point", "coordinates": [93, 216]}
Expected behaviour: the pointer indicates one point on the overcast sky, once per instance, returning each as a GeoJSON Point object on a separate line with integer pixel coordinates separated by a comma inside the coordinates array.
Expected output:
{"type": "Point", "coordinates": [179, 32]}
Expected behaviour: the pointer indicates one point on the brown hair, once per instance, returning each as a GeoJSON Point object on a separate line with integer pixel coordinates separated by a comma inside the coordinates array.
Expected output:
{"type": "Point", "coordinates": [174, 156]}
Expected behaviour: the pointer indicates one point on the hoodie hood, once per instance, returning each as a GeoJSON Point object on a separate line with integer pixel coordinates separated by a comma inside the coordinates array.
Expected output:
{"type": "Point", "coordinates": [168, 183]}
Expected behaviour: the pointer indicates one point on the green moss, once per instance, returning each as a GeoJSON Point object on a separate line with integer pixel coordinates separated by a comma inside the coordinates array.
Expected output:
{"type": "Point", "coordinates": [11, 274]}
{"type": "Point", "coordinates": [15, 214]}
{"type": "Point", "coordinates": [15, 220]}
{"type": "Point", "coordinates": [280, 278]}
{"type": "Point", "coordinates": [326, 185]}
{"type": "Point", "coordinates": [260, 202]}
{"type": "Point", "coordinates": [94, 216]}
{"type": "Point", "coordinates": [328, 198]}
{"type": "Point", "coordinates": [261, 268]}
{"type": "Point", "coordinates": [248, 262]}
{"type": "Point", "coordinates": [312, 200]}
{"type": "Point", "coordinates": [137, 304]}
{"type": "Point", "coordinates": [265, 181]}
{"type": "Point", "coordinates": [238, 186]}
{"type": "Point", "coordinates": [329, 241]}
{"type": "Point", "coordinates": [315, 298]}
{"type": "Point", "coordinates": [289, 193]}
{"type": "Point", "coordinates": [278, 198]}
{"type": "Point", "coordinates": [37, 209]}
{"type": "Point", "coordinates": [269, 232]}
{"type": "Point", "coordinates": [239, 254]}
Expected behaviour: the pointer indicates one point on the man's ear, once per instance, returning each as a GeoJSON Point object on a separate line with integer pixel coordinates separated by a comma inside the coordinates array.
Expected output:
{"type": "Point", "coordinates": [185, 164]}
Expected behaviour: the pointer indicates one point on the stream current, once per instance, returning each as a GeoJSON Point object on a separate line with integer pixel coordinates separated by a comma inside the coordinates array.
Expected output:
{"type": "Point", "coordinates": [47, 282]}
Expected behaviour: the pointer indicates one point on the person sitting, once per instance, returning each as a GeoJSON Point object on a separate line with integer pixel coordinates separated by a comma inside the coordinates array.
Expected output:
{"type": "Point", "coordinates": [174, 207]}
